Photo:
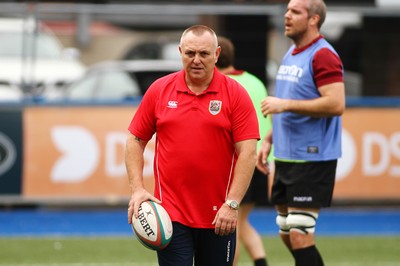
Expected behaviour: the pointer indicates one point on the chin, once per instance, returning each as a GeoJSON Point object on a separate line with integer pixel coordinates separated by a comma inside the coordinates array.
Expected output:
{"type": "Point", "coordinates": [287, 34]}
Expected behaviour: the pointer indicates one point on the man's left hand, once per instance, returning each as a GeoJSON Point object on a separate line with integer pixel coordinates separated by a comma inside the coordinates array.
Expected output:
{"type": "Point", "coordinates": [225, 220]}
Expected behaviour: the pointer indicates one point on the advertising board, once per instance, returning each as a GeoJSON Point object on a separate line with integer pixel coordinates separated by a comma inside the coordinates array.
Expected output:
{"type": "Point", "coordinates": [79, 152]}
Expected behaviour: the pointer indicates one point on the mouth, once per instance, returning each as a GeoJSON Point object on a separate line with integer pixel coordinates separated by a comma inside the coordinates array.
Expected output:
{"type": "Point", "coordinates": [197, 68]}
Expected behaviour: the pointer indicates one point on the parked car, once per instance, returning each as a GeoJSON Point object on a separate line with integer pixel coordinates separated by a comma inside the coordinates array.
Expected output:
{"type": "Point", "coordinates": [166, 50]}
{"type": "Point", "coordinates": [115, 80]}
{"type": "Point", "coordinates": [9, 93]}
{"type": "Point", "coordinates": [32, 58]}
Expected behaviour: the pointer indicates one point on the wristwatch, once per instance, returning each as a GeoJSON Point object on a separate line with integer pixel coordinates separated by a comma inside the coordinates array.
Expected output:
{"type": "Point", "coordinates": [233, 204]}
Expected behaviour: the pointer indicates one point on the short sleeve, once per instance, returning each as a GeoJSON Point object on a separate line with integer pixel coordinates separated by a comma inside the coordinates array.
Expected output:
{"type": "Point", "coordinates": [327, 67]}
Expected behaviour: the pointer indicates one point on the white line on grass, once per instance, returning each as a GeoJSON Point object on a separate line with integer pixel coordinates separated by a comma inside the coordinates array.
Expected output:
{"type": "Point", "coordinates": [155, 264]}
{"type": "Point", "coordinates": [82, 264]}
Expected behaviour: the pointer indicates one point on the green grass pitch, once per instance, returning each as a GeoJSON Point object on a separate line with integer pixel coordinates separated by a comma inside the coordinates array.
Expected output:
{"type": "Point", "coordinates": [121, 251]}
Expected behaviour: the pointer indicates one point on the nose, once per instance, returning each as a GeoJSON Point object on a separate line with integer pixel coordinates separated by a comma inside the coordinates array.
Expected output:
{"type": "Point", "coordinates": [287, 14]}
{"type": "Point", "coordinates": [196, 58]}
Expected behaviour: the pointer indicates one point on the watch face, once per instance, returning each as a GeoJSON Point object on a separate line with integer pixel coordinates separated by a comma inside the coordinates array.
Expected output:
{"type": "Point", "coordinates": [233, 204]}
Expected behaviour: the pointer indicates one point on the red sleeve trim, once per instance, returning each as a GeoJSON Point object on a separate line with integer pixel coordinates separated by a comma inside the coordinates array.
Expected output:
{"type": "Point", "coordinates": [327, 67]}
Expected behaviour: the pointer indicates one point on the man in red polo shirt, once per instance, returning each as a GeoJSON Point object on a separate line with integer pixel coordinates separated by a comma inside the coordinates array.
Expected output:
{"type": "Point", "coordinates": [206, 134]}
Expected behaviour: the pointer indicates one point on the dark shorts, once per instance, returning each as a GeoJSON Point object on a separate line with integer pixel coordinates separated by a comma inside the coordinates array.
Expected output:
{"type": "Point", "coordinates": [307, 185]}
{"type": "Point", "coordinates": [207, 248]}
{"type": "Point", "coordinates": [258, 190]}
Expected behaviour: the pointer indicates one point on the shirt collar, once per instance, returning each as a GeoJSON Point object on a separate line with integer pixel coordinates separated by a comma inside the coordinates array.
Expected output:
{"type": "Point", "coordinates": [235, 72]}
{"type": "Point", "coordinates": [299, 50]}
{"type": "Point", "coordinates": [213, 87]}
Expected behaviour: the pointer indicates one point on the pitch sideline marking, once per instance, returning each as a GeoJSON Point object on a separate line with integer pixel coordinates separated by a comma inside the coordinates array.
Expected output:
{"type": "Point", "coordinates": [155, 264]}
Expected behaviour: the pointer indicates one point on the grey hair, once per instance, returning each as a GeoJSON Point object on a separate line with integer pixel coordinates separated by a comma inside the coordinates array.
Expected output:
{"type": "Point", "coordinates": [199, 30]}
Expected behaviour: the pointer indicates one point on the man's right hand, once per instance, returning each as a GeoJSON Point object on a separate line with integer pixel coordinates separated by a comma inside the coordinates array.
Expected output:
{"type": "Point", "coordinates": [262, 156]}
{"type": "Point", "coordinates": [137, 197]}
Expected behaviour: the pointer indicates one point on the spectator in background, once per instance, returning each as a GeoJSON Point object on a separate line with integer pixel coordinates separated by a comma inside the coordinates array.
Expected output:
{"type": "Point", "coordinates": [206, 137]}
{"type": "Point", "coordinates": [306, 118]}
{"type": "Point", "coordinates": [257, 194]}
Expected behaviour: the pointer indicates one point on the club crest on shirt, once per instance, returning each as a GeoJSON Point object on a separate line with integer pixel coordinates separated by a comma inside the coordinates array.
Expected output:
{"type": "Point", "coordinates": [215, 107]}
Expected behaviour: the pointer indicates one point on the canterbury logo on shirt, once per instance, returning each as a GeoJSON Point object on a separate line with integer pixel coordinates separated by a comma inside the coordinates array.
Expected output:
{"type": "Point", "coordinates": [172, 104]}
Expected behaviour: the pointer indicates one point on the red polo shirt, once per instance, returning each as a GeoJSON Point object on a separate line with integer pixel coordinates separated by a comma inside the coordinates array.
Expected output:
{"type": "Point", "coordinates": [195, 153]}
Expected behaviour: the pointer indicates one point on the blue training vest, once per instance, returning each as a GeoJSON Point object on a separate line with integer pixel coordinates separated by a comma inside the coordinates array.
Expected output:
{"type": "Point", "coordinates": [299, 137]}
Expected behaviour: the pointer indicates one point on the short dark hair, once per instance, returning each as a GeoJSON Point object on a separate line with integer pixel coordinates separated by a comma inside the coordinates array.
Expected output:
{"type": "Point", "coordinates": [227, 55]}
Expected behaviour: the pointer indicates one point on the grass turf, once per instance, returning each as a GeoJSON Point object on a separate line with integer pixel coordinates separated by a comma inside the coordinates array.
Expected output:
{"type": "Point", "coordinates": [120, 251]}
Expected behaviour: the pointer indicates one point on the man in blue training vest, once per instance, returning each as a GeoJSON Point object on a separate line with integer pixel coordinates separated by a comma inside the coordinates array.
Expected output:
{"type": "Point", "coordinates": [306, 117]}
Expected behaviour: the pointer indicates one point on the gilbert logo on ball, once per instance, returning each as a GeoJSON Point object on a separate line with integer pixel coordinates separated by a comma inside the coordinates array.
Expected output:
{"type": "Point", "coordinates": [153, 226]}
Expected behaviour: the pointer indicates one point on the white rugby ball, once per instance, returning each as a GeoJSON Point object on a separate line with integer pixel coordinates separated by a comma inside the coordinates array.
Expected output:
{"type": "Point", "coordinates": [153, 227]}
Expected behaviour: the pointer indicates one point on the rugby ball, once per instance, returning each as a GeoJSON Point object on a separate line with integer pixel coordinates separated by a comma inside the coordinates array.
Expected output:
{"type": "Point", "coordinates": [153, 226]}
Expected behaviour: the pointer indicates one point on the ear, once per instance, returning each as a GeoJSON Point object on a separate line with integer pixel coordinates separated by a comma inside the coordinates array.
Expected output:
{"type": "Point", "coordinates": [217, 53]}
{"type": "Point", "coordinates": [314, 20]}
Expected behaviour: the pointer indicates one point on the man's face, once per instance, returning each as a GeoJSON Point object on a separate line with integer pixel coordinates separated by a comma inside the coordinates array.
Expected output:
{"type": "Point", "coordinates": [296, 19]}
{"type": "Point", "coordinates": [199, 55]}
